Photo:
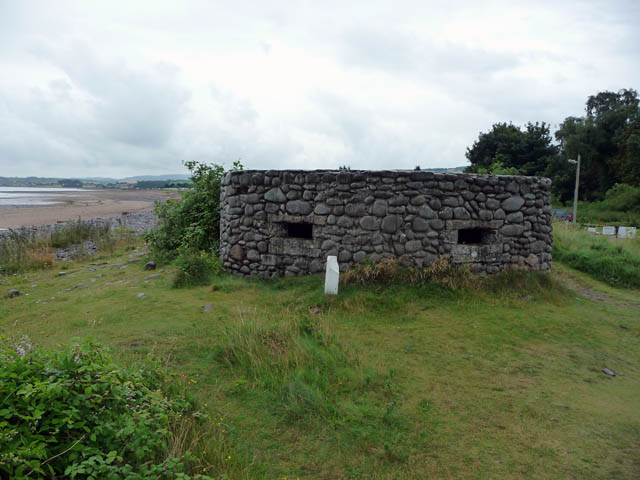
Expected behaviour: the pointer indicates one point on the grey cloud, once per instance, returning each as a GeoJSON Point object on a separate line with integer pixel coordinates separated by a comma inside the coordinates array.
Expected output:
{"type": "Point", "coordinates": [97, 113]}
{"type": "Point", "coordinates": [392, 51]}
{"type": "Point", "coordinates": [139, 107]}
{"type": "Point", "coordinates": [76, 107]}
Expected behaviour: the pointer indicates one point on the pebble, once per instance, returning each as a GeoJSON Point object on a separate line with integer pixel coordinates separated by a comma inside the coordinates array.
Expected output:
{"type": "Point", "coordinates": [208, 307]}
{"type": "Point", "coordinates": [141, 295]}
{"type": "Point", "coordinates": [606, 371]}
{"type": "Point", "coordinates": [155, 275]}
{"type": "Point", "coordinates": [150, 266]}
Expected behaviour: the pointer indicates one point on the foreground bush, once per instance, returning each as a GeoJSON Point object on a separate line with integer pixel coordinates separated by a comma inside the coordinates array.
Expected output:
{"type": "Point", "coordinates": [612, 261]}
{"type": "Point", "coordinates": [75, 414]}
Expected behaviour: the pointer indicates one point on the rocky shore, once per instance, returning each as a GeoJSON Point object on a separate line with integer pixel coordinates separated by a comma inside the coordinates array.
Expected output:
{"type": "Point", "coordinates": [139, 222]}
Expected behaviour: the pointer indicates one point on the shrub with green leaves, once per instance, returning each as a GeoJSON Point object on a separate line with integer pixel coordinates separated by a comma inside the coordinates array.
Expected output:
{"type": "Point", "coordinates": [192, 222]}
{"type": "Point", "coordinates": [75, 414]}
{"type": "Point", "coordinates": [623, 197]}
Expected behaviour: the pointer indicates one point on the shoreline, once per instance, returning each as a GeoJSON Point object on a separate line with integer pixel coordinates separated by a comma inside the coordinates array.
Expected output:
{"type": "Point", "coordinates": [96, 204]}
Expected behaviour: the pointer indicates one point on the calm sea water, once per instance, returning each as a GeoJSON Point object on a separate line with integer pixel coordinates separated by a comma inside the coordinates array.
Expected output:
{"type": "Point", "coordinates": [21, 196]}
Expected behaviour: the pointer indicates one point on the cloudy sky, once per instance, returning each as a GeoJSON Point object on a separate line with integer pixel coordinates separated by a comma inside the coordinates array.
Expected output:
{"type": "Point", "coordinates": [118, 88]}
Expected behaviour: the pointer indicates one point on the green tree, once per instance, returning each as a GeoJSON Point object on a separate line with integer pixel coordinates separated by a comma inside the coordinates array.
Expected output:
{"type": "Point", "coordinates": [608, 140]}
{"type": "Point", "coordinates": [525, 151]}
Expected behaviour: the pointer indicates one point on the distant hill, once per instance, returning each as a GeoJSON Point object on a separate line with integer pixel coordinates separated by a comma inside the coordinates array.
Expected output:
{"type": "Point", "coordinates": [177, 176]}
{"type": "Point", "coordinates": [444, 170]}
{"type": "Point", "coordinates": [35, 181]}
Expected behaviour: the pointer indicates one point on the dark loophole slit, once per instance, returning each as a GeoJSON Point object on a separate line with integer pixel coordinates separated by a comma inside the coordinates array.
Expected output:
{"type": "Point", "coordinates": [471, 236]}
{"type": "Point", "coordinates": [299, 230]}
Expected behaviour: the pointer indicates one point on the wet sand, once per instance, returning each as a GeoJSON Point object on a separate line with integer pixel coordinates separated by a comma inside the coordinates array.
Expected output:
{"type": "Point", "coordinates": [84, 205]}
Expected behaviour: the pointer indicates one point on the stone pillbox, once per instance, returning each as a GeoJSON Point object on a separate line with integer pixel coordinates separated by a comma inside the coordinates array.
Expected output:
{"type": "Point", "coordinates": [286, 222]}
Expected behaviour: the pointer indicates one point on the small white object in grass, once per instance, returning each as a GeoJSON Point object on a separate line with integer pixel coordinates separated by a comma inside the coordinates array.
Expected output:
{"type": "Point", "coordinates": [332, 276]}
{"type": "Point", "coordinates": [609, 231]}
{"type": "Point", "coordinates": [626, 232]}
{"type": "Point", "coordinates": [591, 229]}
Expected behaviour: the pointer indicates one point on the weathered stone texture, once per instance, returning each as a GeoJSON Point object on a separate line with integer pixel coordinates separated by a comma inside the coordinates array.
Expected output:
{"type": "Point", "coordinates": [286, 222]}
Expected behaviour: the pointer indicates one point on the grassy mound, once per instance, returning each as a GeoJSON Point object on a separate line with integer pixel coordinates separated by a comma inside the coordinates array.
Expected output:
{"type": "Point", "coordinates": [614, 261]}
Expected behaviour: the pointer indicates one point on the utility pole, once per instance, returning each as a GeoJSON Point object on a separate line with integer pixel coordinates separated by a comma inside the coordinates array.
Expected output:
{"type": "Point", "coordinates": [575, 193]}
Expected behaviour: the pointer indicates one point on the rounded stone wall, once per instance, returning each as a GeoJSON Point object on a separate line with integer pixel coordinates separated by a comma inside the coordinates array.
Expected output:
{"type": "Point", "coordinates": [285, 222]}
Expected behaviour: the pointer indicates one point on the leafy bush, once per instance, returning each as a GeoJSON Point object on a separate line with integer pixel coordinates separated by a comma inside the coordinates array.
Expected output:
{"type": "Point", "coordinates": [498, 168]}
{"type": "Point", "coordinates": [623, 197]}
{"type": "Point", "coordinates": [75, 414]}
{"type": "Point", "coordinates": [195, 267]}
{"type": "Point", "coordinates": [621, 206]}
{"type": "Point", "coordinates": [193, 222]}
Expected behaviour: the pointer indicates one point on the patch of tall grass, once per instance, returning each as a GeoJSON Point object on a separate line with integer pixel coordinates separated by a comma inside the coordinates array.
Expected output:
{"type": "Point", "coordinates": [24, 249]}
{"type": "Point", "coordinates": [613, 261]}
{"type": "Point", "coordinates": [389, 270]}
{"type": "Point", "coordinates": [301, 370]}
{"type": "Point", "coordinates": [453, 277]}
{"type": "Point", "coordinates": [195, 268]}
{"type": "Point", "coordinates": [73, 233]}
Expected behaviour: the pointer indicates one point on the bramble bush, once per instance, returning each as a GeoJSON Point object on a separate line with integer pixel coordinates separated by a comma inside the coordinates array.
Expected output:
{"type": "Point", "coordinates": [75, 414]}
{"type": "Point", "coordinates": [188, 232]}
{"type": "Point", "coordinates": [193, 222]}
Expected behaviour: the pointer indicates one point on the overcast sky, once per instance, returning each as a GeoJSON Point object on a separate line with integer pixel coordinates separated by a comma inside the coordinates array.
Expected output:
{"type": "Point", "coordinates": [114, 88]}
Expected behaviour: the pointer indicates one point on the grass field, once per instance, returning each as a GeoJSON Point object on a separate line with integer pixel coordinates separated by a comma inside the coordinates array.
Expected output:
{"type": "Point", "coordinates": [612, 260]}
{"type": "Point", "coordinates": [379, 382]}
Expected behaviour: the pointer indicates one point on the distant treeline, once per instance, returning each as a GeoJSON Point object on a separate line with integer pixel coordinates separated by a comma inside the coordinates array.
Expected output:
{"type": "Point", "coordinates": [21, 181]}
{"type": "Point", "coordinates": [77, 183]}
{"type": "Point", "coordinates": [607, 138]}
{"type": "Point", "coordinates": [163, 184]}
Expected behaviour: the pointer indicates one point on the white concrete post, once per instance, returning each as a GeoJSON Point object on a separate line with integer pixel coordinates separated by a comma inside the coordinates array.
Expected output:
{"type": "Point", "coordinates": [332, 276]}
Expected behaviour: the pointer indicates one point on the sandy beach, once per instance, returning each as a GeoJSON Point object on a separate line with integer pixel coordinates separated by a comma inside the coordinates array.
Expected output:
{"type": "Point", "coordinates": [84, 204]}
